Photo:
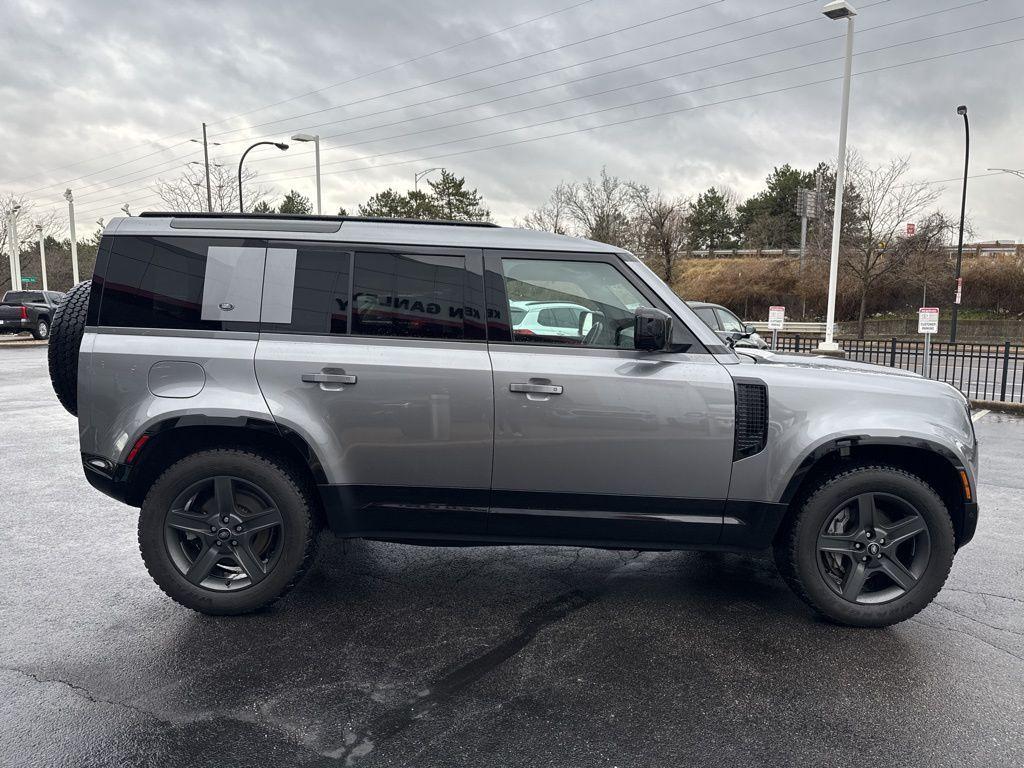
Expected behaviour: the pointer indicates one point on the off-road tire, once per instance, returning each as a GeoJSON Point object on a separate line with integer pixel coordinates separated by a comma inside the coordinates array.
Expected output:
{"type": "Point", "coordinates": [283, 485]}
{"type": "Point", "coordinates": [796, 549]}
{"type": "Point", "coordinates": [66, 331]}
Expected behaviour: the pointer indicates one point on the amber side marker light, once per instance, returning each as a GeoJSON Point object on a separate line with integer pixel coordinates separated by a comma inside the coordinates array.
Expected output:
{"type": "Point", "coordinates": [966, 483]}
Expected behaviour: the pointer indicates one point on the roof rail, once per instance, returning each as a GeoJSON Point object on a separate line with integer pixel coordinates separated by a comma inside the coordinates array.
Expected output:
{"type": "Point", "coordinates": [304, 217]}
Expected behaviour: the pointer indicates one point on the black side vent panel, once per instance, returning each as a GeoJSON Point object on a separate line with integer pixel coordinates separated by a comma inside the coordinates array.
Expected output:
{"type": "Point", "coordinates": [751, 418]}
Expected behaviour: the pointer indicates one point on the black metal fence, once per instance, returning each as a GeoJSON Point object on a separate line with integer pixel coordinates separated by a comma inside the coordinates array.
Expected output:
{"type": "Point", "coordinates": [980, 371]}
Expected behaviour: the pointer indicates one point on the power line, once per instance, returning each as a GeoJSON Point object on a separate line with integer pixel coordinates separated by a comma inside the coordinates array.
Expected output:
{"type": "Point", "coordinates": [639, 102]}
{"type": "Point", "coordinates": [403, 63]}
{"type": "Point", "coordinates": [689, 34]}
{"type": "Point", "coordinates": [267, 106]}
{"type": "Point", "coordinates": [478, 70]}
{"type": "Point", "coordinates": [681, 110]}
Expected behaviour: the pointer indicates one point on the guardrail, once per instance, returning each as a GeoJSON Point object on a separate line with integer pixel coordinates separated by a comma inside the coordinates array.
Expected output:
{"type": "Point", "coordinates": [980, 371]}
{"type": "Point", "coordinates": [790, 327]}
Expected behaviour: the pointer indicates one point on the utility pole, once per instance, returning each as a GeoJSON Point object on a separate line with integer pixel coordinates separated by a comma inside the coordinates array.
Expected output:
{"type": "Point", "coordinates": [206, 161]}
{"type": "Point", "coordinates": [74, 241]}
{"type": "Point", "coordinates": [42, 254]}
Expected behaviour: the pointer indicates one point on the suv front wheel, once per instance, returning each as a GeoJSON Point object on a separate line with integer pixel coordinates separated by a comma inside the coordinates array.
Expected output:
{"type": "Point", "coordinates": [869, 547]}
{"type": "Point", "coordinates": [227, 531]}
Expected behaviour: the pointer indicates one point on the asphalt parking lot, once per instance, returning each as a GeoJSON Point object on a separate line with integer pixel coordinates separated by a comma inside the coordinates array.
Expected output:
{"type": "Point", "coordinates": [392, 655]}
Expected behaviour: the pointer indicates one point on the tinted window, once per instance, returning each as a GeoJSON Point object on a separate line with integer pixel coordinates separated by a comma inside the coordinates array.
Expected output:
{"type": "Point", "coordinates": [414, 296]}
{"type": "Point", "coordinates": [595, 287]}
{"type": "Point", "coordinates": [157, 282]}
{"type": "Point", "coordinates": [560, 317]}
{"type": "Point", "coordinates": [23, 297]}
{"type": "Point", "coordinates": [707, 314]}
{"type": "Point", "coordinates": [320, 294]}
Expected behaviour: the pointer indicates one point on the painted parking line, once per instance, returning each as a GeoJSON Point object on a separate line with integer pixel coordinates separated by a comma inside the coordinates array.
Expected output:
{"type": "Point", "coordinates": [980, 415]}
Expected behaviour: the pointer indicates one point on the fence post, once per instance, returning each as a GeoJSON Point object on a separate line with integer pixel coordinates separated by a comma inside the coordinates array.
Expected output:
{"type": "Point", "coordinates": [892, 353]}
{"type": "Point", "coordinates": [1006, 369]}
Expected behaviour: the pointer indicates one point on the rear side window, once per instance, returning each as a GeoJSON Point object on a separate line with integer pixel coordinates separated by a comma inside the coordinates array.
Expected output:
{"type": "Point", "coordinates": [707, 314]}
{"type": "Point", "coordinates": [160, 282]}
{"type": "Point", "coordinates": [415, 296]}
{"type": "Point", "coordinates": [319, 290]}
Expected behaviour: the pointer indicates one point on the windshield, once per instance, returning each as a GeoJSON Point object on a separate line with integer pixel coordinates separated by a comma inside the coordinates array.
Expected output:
{"type": "Point", "coordinates": [730, 323]}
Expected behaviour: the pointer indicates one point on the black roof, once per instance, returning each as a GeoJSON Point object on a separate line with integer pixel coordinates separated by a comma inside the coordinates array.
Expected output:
{"type": "Point", "coordinates": [305, 217]}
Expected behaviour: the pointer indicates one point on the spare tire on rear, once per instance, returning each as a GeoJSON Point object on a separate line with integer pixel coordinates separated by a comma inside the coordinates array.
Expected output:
{"type": "Point", "coordinates": [65, 339]}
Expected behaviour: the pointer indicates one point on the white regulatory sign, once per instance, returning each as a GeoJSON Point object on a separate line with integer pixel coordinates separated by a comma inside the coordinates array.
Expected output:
{"type": "Point", "coordinates": [776, 318]}
{"type": "Point", "coordinates": [928, 320]}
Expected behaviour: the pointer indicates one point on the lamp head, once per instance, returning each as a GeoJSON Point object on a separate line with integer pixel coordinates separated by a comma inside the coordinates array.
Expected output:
{"type": "Point", "coordinates": [68, 196]}
{"type": "Point", "coordinates": [304, 137]}
{"type": "Point", "coordinates": [280, 145]}
{"type": "Point", "coordinates": [839, 9]}
{"type": "Point", "coordinates": [961, 110]}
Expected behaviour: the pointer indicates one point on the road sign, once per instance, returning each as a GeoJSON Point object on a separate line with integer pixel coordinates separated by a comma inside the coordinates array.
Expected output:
{"type": "Point", "coordinates": [911, 229]}
{"type": "Point", "coordinates": [28, 280]}
{"type": "Point", "coordinates": [959, 290]}
{"type": "Point", "coordinates": [928, 320]}
{"type": "Point", "coordinates": [776, 318]}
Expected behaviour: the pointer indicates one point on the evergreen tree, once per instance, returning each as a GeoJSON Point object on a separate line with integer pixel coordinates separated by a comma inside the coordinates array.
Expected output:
{"type": "Point", "coordinates": [769, 218]}
{"type": "Point", "coordinates": [296, 203]}
{"type": "Point", "coordinates": [711, 222]}
{"type": "Point", "coordinates": [454, 201]}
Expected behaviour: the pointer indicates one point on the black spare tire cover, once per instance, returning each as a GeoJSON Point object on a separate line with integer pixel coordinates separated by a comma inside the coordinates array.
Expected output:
{"type": "Point", "coordinates": [65, 339]}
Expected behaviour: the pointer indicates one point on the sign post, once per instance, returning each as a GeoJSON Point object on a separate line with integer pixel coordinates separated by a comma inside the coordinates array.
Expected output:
{"type": "Point", "coordinates": [776, 320]}
{"type": "Point", "coordinates": [927, 323]}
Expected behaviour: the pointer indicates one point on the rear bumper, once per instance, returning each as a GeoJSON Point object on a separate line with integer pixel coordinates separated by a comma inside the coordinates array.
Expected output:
{"type": "Point", "coordinates": [110, 479]}
{"type": "Point", "coordinates": [16, 326]}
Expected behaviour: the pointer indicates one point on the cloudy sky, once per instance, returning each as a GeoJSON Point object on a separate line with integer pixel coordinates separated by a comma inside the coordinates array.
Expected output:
{"type": "Point", "coordinates": [103, 96]}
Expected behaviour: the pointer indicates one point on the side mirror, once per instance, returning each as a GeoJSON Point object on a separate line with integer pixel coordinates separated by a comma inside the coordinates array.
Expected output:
{"type": "Point", "coordinates": [586, 322]}
{"type": "Point", "coordinates": [750, 329]}
{"type": "Point", "coordinates": [652, 330]}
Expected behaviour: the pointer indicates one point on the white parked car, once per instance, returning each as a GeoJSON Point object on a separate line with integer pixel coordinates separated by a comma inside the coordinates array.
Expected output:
{"type": "Point", "coordinates": [549, 318]}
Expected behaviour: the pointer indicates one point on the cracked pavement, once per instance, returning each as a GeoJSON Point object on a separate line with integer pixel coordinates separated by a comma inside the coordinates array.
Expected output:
{"type": "Point", "coordinates": [391, 655]}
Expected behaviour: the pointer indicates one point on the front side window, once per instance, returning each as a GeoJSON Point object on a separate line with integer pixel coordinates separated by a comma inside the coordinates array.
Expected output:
{"type": "Point", "coordinates": [730, 323]}
{"type": "Point", "coordinates": [584, 303]}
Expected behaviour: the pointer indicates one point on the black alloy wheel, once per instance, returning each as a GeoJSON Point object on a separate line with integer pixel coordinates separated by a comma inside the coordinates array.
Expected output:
{"type": "Point", "coordinates": [224, 533]}
{"type": "Point", "coordinates": [873, 548]}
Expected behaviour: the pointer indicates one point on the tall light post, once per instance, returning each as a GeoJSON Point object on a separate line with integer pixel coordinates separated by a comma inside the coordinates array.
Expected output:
{"type": "Point", "coordinates": [206, 163]}
{"type": "Point", "coordinates": [838, 9]}
{"type": "Point", "coordinates": [42, 254]}
{"type": "Point", "coordinates": [422, 174]}
{"type": "Point", "coordinates": [962, 111]}
{"type": "Point", "coordinates": [279, 144]}
{"type": "Point", "coordinates": [1018, 172]}
{"type": "Point", "coordinates": [12, 234]}
{"type": "Point", "coordinates": [315, 138]}
{"type": "Point", "coordinates": [74, 241]}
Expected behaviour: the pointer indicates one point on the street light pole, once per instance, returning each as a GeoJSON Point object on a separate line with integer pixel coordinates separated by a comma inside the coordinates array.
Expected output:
{"type": "Point", "coordinates": [315, 138]}
{"type": "Point", "coordinates": [42, 254]}
{"type": "Point", "coordinates": [962, 111]}
{"type": "Point", "coordinates": [280, 145]}
{"type": "Point", "coordinates": [12, 232]}
{"type": "Point", "coordinates": [417, 176]}
{"type": "Point", "coordinates": [839, 9]}
{"type": "Point", "coordinates": [206, 161]}
{"type": "Point", "coordinates": [74, 241]}
{"type": "Point", "coordinates": [1019, 173]}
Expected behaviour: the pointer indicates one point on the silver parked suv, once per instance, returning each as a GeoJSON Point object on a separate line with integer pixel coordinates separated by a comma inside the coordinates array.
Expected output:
{"type": "Point", "coordinates": [246, 380]}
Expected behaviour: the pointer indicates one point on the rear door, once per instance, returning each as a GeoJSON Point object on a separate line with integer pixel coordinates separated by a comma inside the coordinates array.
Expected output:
{"type": "Point", "coordinates": [596, 442]}
{"type": "Point", "coordinates": [377, 357]}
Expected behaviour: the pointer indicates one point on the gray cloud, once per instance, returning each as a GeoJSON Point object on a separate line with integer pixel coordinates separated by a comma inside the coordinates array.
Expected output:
{"type": "Point", "coordinates": [82, 80]}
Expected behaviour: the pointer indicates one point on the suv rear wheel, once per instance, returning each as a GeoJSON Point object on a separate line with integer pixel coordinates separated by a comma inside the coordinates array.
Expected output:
{"type": "Point", "coordinates": [227, 531]}
{"type": "Point", "coordinates": [870, 546]}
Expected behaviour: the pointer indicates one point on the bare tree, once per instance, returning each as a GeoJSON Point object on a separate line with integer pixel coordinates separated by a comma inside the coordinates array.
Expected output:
{"type": "Point", "coordinates": [600, 209]}
{"type": "Point", "coordinates": [923, 257]}
{"type": "Point", "coordinates": [550, 217]}
{"type": "Point", "coordinates": [661, 231]}
{"type": "Point", "coordinates": [886, 202]}
{"type": "Point", "coordinates": [187, 192]}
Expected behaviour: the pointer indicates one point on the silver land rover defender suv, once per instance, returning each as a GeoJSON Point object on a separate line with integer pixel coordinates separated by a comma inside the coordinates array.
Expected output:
{"type": "Point", "coordinates": [247, 380]}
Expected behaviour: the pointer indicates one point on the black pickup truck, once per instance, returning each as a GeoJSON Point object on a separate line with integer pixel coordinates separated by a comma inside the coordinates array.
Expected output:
{"type": "Point", "coordinates": [29, 311]}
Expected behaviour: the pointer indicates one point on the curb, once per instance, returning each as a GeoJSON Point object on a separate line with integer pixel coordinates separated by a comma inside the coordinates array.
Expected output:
{"type": "Point", "coordinates": [999, 406]}
{"type": "Point", "coordinates": [23, 342]}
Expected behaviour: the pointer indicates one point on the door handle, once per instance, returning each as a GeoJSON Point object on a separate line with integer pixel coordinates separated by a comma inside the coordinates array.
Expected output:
{"type": "Point", "coordinates": [536, 389]}
{"type": "Point", "coordinates": [328, 378]}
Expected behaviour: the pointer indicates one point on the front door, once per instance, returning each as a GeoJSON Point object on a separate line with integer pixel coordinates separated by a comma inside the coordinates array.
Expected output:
{"type": "Point", "coordinates": [377, 357]}
{"type": "Point", "coordinates": [596, 442]}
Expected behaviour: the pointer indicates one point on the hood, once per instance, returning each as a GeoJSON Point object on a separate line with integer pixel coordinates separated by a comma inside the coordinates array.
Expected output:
{"type": "Point", "coordinates": [820, 362]}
